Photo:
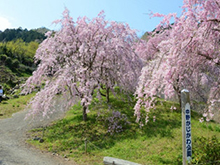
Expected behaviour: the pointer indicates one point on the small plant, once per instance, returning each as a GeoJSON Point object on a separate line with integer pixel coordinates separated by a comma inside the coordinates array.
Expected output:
{"type": "Point", "coordinates": [117, 122]}
{"type": "Point", "coordinates": [4, 102]}
{"type": "Point", "coordinates": [206, 151]}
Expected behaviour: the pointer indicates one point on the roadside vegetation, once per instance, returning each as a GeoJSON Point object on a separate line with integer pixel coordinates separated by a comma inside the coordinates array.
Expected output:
{"type": "Point", "coordinates": [111, 130]}
{"type": "Point", "coordinates": [8, 107]}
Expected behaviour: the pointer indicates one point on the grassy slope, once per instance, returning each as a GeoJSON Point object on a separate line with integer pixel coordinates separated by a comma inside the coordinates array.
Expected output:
{"type": "Point", "coordinates": [156, 143]}
{"type": "Point", "coordinates": [7, 108]}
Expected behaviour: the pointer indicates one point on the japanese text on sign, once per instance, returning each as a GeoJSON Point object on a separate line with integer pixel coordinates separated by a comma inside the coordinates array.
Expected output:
{"type": "Point", "coordinates": [188, 132]}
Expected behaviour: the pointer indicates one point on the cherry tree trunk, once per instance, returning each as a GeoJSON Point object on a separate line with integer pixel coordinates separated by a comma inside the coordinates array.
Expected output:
{"type": "Point", "coordinates": [84, 113]}
{"type": "Point", "coordinates": [107, 94]}
{"type": "Point", "coordinates": [179, 98]}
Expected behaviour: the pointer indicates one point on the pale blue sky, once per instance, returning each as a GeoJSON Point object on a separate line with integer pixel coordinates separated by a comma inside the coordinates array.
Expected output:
{"type": "Point", "coordinates": [32, 14]}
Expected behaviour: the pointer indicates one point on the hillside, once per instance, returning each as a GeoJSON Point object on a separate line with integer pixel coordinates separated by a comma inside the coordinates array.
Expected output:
{"type": "Point", "coordinates": [156, 143]}
{"type": "Point", "coordinates": [113, 132]}
{"type": "Point", "coordinates": [24, 34]}
{"type": "Point", "coordinates": [17, 50]}
{"type": "Point", "coordinates": [41, 30]}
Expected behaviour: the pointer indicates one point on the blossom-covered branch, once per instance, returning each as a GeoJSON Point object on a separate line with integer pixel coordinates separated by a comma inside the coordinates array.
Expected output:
{"type": "Point", "coordinates": [187, 55]}
{"type": "Point", "coordinates": [81, 57]}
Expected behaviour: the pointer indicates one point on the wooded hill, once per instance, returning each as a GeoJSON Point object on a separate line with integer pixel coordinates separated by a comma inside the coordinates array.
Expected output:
{"type": "Point", "coordinates": [24, 34]}
{"type": "Point", "coordinates": [17, 50]}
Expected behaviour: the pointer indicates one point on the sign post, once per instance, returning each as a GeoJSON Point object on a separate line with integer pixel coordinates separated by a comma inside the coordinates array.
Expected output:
{"type": "Point", "coordinates": [186, 127]}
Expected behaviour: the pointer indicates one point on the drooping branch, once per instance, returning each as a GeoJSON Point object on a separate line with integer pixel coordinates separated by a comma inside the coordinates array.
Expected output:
{"type": "Point", "coordinates": [208, 58]}
{"type": "Point", "coordinates": [192, 60]}
{"type": "Point", "coordinates": [85, 55]}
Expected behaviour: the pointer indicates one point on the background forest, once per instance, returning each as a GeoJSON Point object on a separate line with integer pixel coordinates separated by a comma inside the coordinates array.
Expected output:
{"type": "Point", "coordinates": [17, 50]}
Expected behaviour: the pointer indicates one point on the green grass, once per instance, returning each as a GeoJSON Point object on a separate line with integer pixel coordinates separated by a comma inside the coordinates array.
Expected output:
{"type": "Point", "coordinates": [156, 143]}
{"type": "Point", "coordinates": [7, 108]}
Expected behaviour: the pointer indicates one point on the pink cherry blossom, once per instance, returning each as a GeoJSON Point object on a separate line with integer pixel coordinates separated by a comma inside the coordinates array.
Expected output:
{"type": "Point", "coordinates": [182, 55]}
{"type": "Point", "coordinates": [82, 58]}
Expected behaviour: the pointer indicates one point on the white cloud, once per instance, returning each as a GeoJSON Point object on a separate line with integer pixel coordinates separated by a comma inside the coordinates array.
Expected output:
{"type": "Point", "coordinates": [4, 23]}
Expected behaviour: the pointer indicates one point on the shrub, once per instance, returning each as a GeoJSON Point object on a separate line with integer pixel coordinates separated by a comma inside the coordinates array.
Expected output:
{"type": "Point", "coordinates": [3, 57]}
{"type": "Point", "coordinates": [15, 64]}
{"type": "Point", "coordinates": [8, 62]}
{"type": "Point", "coordinates": [206, 151]}
{"type": "Point", "coordinates": [115, 121]}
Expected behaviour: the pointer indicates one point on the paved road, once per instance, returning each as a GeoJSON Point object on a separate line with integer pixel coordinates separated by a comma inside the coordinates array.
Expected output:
{"type": "Point", "coordinates": [14, 151]}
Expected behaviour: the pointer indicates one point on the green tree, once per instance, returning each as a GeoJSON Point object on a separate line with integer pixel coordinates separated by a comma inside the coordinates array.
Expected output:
{"type": "Point", "coordinates": [15, 64]}
{"type": "Point", "coordinates": [3, 58]}
{"type": "Point", "coordinates": [8, 62]}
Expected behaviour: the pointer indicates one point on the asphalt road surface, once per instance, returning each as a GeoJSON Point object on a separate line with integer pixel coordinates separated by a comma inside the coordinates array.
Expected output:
{"type": "Point", "coordinates": [14, 150]}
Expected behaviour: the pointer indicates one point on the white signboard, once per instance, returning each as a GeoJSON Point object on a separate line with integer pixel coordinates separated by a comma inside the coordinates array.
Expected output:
{"type": "Point", "coordinates": [188, 132]}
